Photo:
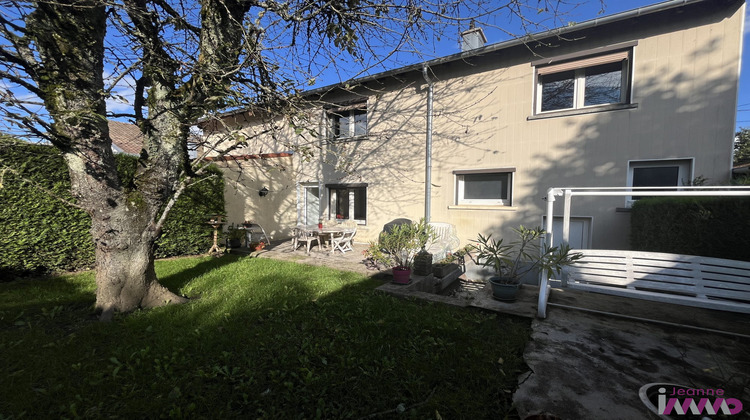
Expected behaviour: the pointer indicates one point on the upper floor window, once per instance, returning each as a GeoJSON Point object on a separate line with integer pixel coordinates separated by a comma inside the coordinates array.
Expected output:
{"type": "Point", "coordinates": [348, 122]}
{"type": "Point", "coordinates": [581, 83]}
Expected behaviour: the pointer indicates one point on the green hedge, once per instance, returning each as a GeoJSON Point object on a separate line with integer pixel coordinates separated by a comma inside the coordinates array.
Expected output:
{"type": "Point", "coordinates": [39, 233]}
{"type": "Point", "coordinates": [707, 226]}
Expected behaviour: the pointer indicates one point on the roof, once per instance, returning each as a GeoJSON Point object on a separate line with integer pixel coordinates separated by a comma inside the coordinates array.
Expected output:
{"type": "Point", "coordinates": [126, 138]}
{"type": "Point", "coordinates": [464, 55]}
{"type": "Point", "coordinates": [630, 14]}
{"type": "Point", "coordinates": [741, 168]}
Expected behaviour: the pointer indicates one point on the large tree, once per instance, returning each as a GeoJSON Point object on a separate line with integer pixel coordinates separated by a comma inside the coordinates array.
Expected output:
{"type": "Point", "coordinates": [63, 59]}
{"type": "Point", "coordinates": [742, 146]}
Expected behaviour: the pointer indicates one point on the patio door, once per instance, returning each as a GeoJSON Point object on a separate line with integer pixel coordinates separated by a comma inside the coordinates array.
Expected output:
{"type": "Point", "coordinates": [580, 231]}
{"type": "Point", "coordinates": [311, 210]}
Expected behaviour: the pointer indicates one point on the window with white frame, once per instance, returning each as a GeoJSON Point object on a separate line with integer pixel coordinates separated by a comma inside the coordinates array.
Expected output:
{"type": "Point", "coordinates": [659, 173]}
{"type": "Point", "coordinates": [584, 82]}
{"type": "Point", "coordinates": [493, 187]}
{"type": "Point", "coordinates": [348, 122]}
{"type": "Point", "coordinates": [348, 202]}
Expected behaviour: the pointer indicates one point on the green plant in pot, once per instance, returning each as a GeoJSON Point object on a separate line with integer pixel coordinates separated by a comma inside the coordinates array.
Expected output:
{"type": "Point", "coordinates": [397, 248]}
{"type": "Point", "coordinates": [452, 262]}
{"type": "Point", "coordinates": [511, 261]}
{"type": "Point", "coordinates": [234, 237]}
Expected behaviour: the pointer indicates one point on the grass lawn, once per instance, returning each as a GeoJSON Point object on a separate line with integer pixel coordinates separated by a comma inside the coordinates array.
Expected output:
{"type": "Point", "coordinates": [262, 339]}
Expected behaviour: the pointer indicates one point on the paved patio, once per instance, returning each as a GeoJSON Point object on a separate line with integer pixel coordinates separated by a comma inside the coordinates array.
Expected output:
{"type": "Point", "coordinates": [282, 250]}
{"type": "Point", "coordinates": [591, 355]}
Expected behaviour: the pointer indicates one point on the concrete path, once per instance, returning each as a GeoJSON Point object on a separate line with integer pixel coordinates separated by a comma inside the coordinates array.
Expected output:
{"type": "Point", "coordinates": [591, 366]}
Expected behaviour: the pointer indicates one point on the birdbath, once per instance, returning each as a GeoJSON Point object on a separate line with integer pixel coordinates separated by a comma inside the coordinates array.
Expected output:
{"type": "Point", "coordinates": [215, 222]}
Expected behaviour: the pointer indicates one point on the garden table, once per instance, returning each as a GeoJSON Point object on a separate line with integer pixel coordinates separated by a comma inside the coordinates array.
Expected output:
{"type": "Point", "coordinates": [324, 233]}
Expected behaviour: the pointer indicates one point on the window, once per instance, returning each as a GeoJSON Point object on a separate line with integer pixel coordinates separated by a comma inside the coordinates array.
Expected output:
{"type": "Point", "coordinates": [348, 122]}
{"type": "Point", "coordinates": [659, 173]}
{"type": "Point", "coordinates": [348, 202]}
{"type": "Point", "coordinates": [484, 187]}
{"type": "Point", "coordinates": [587, 82]}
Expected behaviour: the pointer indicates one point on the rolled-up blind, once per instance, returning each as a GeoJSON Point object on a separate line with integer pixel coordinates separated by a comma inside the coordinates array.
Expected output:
{"type": "Point", "coordinates": [586, 62]}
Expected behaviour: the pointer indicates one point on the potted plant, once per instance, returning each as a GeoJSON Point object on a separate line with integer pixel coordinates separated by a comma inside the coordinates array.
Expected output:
{"type": "Point", "coordinates": [451, 263]}
{"type": "Point", "coordinates": [235, 236]}
{"type": "Point", "coordinates": [256, 246]}
{"type": "Point", "coordinates": [398, 246]}
{"type": "Point", "coordinates": [511, 261]}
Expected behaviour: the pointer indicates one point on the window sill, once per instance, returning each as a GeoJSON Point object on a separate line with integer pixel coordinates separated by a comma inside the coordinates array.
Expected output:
{"type": "Point", "coordinates": [475, 207]}
{"type": "Point", "coordinates": [358, 222]}
{"type": "Point", "coordinates": [581, 111]}
{"type": "Point", "coordinates": [334, 140]}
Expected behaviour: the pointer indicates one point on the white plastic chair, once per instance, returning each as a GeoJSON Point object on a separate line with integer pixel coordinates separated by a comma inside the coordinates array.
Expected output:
{"type": "Point", "coordinates": [446, 240]}
{"type": "Point", "coordinates": [303, 235]}
{"type": "Point", "coordinates": [343, 242]}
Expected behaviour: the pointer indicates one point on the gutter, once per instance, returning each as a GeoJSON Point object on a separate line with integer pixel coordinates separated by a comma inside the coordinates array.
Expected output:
{"type": "Point", "coordinates": [428, 151]}
{"type": "Point", "coordinates": [629, 14]}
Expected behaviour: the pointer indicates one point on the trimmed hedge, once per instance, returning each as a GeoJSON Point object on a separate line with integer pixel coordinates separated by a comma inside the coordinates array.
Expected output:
{"type": "Point", "coordinates": [707, 226]}
{"type": "Point", "coordinates": [39, 233]}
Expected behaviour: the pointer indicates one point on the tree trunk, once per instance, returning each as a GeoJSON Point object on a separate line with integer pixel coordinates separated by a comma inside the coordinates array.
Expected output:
{"type": "Point", "coordinates": [125, 275]}
{"type": "Point", "coordinates": [126, 280]}
{"type": "Point", "coordinates": [70, 38]}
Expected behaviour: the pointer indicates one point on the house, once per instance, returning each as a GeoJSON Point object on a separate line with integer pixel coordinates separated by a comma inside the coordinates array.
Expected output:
{"type": "Point", "coordinates": [640, 98]}
{"type": "Point", "coordinates": [126, 138]}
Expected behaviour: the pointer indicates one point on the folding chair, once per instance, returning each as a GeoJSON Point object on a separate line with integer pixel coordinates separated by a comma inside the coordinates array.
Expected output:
{"type": "Point", "coordinates": [343, 242]}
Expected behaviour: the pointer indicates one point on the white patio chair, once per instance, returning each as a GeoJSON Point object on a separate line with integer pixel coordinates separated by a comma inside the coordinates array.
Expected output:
{"type": "Point", "coordinates": [445, 241]}
{"type": "Point", "coordinates": [343, 241]}
{"type": "Point", "coordinates": [303, 235]}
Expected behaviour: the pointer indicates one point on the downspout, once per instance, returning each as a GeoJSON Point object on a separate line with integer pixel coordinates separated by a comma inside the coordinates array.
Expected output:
{"type": "Point", "coordinates": [428, 152]}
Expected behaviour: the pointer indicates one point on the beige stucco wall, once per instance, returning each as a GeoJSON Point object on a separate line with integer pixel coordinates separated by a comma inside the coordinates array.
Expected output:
{"type": "Point", "coordinates": [684, 84]}
{"type": "Point", "coordinates": [276, 212]}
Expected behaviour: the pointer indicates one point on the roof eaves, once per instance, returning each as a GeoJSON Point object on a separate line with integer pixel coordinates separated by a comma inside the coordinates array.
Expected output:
{"type": "Point", "coordinates": [641, 11]}
{"type": "Point", "coordinates": [617, 17]}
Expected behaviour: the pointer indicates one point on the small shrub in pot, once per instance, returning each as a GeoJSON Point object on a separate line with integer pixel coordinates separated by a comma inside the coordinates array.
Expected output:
{"type": "Point", "coordinates": [511, 261]}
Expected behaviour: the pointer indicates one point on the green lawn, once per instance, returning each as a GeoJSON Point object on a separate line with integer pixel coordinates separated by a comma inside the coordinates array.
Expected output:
{"type": "Point", "coordinates": [261, 339]}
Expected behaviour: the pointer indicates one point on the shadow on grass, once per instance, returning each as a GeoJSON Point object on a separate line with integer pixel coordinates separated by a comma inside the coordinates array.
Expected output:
{"type": "Point", "coordinates": [33, 293]}
{"type": "Point", "coordinates": [269, 339]}
{"type": "Point", "coordinates": [28, 293]}
{"type": "Point", "coordinates": [178, 280]}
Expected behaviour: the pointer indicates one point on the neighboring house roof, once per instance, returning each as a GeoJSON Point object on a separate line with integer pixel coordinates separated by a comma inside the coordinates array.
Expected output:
{"type": "Point", "coordinates": [126, 138]}
{"type": "Point", "coordinates": [741, 169]}
{"type": "Point", "coordinates": [227, 158]}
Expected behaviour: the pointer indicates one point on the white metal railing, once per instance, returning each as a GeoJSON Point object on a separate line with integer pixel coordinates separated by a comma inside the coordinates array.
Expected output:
{"type": "Point", "coordinates": [569, 192]}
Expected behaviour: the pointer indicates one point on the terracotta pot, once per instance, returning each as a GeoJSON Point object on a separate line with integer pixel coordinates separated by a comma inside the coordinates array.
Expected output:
{"type": "Point", "coordinates": [401, 275]}
{"type": "Point", "coordinates": [257, 246]}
